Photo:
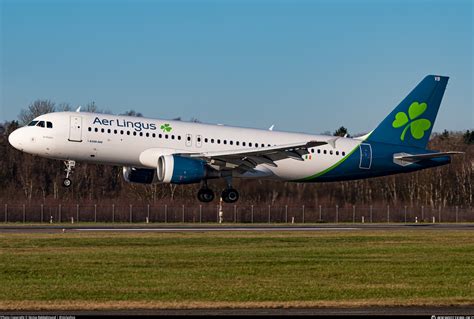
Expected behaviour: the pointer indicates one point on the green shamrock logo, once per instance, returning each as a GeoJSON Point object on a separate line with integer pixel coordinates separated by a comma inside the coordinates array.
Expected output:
{"type": "Point", "coordinates": [417, 126]}
{"type": "Point", "coordinates": [166, 128]}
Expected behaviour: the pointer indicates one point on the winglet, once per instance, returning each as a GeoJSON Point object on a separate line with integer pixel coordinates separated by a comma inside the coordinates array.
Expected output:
{"type": "Point", "coordinates": [332, 141]}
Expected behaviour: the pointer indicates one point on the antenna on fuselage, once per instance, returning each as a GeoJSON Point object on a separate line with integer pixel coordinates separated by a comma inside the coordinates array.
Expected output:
{"type": "Point", "coordinates": [78, 109]}
{"type": "Point", "coordinates": [271, 127]}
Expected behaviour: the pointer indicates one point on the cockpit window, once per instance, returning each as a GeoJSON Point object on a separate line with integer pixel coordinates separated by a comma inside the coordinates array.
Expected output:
{"type": "Point", "coordinates": [40, 124]}
{"type": "Point", "coordinates": [32, 123]}
{"type": "Point", "coordinates": [49, 125]}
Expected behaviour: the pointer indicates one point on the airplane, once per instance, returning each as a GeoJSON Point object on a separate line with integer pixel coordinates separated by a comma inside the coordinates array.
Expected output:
{"type": "Point", "coordinates": [166, 151]}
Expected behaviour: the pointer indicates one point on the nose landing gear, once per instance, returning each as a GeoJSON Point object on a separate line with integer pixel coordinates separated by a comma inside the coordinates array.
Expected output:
{"type": "Point", "coordinates": [69, 167]}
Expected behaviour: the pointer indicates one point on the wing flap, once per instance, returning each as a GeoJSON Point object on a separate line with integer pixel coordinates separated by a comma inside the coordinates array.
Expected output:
{"type": "Point", "coordinates": [245, 159]}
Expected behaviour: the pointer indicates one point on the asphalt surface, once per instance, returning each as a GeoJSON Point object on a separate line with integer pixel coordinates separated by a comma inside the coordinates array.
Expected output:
{"type": "Point", "coordinates": [364, 311]}
{"type": "Point", "coordinates": [15, 228]}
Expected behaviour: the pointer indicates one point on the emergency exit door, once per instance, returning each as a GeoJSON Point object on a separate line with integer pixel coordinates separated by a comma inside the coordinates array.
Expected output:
{"type": "Point", "coordinates": [75, 129]}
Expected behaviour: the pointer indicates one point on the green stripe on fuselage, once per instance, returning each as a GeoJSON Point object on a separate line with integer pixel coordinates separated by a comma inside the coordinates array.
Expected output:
{"type": "Point", "coordinates": [307, 179]}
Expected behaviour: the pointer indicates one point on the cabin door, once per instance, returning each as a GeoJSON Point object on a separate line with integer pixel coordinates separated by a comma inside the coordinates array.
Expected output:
{"type": "Point", "coordinates": [75, 129]}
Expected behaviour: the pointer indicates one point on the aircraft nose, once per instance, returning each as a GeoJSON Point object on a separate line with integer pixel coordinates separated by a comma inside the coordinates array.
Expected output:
{"type": "Point", "coordinates": [15, 139]}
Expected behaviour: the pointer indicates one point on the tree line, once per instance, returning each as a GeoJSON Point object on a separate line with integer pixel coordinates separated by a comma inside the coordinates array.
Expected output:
{"type": "Point", "coordinates": [32, 178]}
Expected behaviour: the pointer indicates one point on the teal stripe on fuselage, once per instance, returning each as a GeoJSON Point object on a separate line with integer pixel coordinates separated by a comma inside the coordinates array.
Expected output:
{"type": "Point", "coordinates": [382, 164]}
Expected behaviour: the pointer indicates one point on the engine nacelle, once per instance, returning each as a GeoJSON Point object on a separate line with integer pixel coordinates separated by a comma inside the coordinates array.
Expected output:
{"type": "Point", "coordinates": [180, 170]}
{"type": "Point", "coordinates": [139, 175]}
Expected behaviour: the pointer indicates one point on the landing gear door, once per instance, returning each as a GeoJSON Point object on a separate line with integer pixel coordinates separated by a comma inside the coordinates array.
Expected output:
{"type": "Point", "coordinates": [75, 129]}
{"type": "Point", "coordinates": [365, 156]}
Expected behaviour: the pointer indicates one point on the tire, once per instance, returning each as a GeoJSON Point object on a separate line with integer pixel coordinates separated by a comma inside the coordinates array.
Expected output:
{"type": "Point", "coordinates": [230, 195]}
{"type": "Point", "coordinates": [67, 182]}
{"type": "Point", "coordinates": [205, 195]}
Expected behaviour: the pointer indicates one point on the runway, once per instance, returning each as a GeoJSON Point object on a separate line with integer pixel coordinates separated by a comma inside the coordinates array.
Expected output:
{"type": "Point", "coordinates": [227, 228]}
{"type": "Point", "coordinates": [361, 311]}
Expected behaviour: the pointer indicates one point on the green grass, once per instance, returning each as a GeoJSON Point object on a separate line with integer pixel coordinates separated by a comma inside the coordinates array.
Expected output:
{"type": "Point", "coordinates": [75, 270]}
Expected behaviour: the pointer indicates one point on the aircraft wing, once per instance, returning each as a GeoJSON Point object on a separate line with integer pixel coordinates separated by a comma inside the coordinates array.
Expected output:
{"type": "Point", "coordinates": [419, 157]}
{"type": "Point", "coordinates": [248, 159]}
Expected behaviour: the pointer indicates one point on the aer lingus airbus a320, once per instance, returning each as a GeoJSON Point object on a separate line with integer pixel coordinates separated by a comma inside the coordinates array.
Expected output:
{"type": "Point", "coordinates": [164, 151]}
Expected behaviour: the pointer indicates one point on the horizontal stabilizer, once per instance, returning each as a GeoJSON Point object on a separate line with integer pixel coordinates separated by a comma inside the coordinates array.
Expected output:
{"type": "Point", "coordinates": [419, 157]}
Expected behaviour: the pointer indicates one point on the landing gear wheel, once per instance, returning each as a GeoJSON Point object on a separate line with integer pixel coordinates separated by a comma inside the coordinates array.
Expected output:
{"type": "Point", "coordinates": [230, 195]}
{"type": "Point", "coordinates": [70, 164]}
{"type": "Point", "coordinates": [67, 182]}
{"type": "Point", "coordinates": [205, 195]}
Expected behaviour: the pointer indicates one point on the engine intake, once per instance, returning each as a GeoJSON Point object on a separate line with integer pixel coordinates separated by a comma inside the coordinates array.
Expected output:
{"type": "Point", "coordinates": [139, 175]}
{"type": "Point", "coordinates": [180, 170]}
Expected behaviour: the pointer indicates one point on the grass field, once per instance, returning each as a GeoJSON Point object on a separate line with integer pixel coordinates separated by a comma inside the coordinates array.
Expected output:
{"type": "Point", "coordinates": [75, 270]}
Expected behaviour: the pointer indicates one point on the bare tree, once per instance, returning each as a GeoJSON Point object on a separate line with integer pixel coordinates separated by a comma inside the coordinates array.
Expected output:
{"type": "Point", "coordinates": [132, 113]}
{"type": "Point", "coordinates": [35, 109]}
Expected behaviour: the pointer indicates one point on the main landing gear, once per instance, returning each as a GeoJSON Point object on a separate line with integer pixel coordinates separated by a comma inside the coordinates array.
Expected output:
{"type": "Point", "coordinates": [206, 195]}
{"type": "Point", "coordinates": [69, 167]}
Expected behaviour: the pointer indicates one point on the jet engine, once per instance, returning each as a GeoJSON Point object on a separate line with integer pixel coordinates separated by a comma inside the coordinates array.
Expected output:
{"type": "Point", "coordinates": [181, 170]}
{"type": "Point", "coordinates": [139, 175]}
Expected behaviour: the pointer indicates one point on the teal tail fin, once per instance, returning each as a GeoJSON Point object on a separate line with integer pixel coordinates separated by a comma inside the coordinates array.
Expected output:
{"type": "Point", "coordinates": [411, 122]}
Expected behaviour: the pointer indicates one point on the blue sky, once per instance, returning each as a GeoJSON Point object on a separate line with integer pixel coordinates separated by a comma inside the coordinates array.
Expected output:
{"type": "Point", "coordinates": [306, 66]}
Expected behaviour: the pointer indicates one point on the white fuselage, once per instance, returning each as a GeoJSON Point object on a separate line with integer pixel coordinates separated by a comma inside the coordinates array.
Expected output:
{"type": "Point", "coordinates": [138, 142]}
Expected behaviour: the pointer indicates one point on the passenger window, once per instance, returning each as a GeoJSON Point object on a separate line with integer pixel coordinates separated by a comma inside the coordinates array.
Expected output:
{"type": "Point", "coordinates": [41, 124]}
{"type": "Point", "coordinates": [134, 133]}
{"type": "Point", "coordinates": [166, 136]}
{"type": "Point", "coordinates": [225, 141]}
{"type": "Point", "coordinates": [337, 152]}
{"type": "Point", "coordinates": [179, 137]}
{"type": "Point", "coordinates": [218, 141]}
{"type": "Point", "coordinates": [172, 137]}
{"type": "Point", "coordinates": [231, 142]}
{"type": "Point", "coordinates": [128, 132]}
{"type": "Point", "coordinates": [330, 152]}
{"type": "Point", "coordinates": [96, 129]}
{"type": "Point", "coordinates": [49, 125]}
{"type": "Point", "coordinates": [205, 140]}
{"type": "Point", "coordinates": [121, 132]}
{"type": "Point", "coordinates": [343, 153]}
{"type": "Point", "coordinates": [199, 139]}
{"type": "Point", "coordinates": [319, 151]}
{"type": "Point", "coordinates": [109, 131]}
{"type": "Point", "coordinates": [312, 150]}
{"type": "Point", "coordinates": [32, 123]}
{"type": "Point", "coordinates": [243, 143]}
{"type": "Point", "coordinates": [250, 144]}
{"type": "Point", "coordinates": [153, 135]}
{"type": "Point", "coordinates": [237, 143]}
{"type": "Point", "coordinates": [90, 129]}
{"type": "Point", "coordinates": [115, 131]}
{"type": "Point", "coordinates": [141, 133]}
{"type": "Point", "coordinates": [325, 152]}
{"type": "Point", "coordinates": [263, 145]}
{"type": "Point", "coordinates": [212, 140]}
{"type": "Point", "coordinates": [147, 134]}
